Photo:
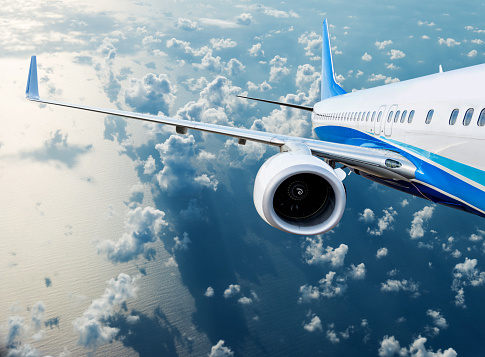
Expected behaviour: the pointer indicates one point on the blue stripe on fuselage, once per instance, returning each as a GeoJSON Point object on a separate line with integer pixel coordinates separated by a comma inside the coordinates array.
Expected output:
{"type": "Point", "coordinates": [425, 172]}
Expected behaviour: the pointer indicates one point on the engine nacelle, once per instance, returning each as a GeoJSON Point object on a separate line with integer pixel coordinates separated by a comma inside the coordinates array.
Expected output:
{"type": "Point", "coordinates": [299, 193]}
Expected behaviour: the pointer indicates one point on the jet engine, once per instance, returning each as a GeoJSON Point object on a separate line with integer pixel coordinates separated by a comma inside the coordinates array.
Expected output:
{"type": "Point", "coordinates": [299, 193]}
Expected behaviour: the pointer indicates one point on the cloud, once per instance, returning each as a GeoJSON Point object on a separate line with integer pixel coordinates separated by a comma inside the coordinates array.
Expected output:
{"type": "Point", "coordinates": [357, 272]}
{"type": "Point", "coordinates": [143, 226]}
{"type": "Point", "coordinates": [15, 328]}
{"type": "Point", "coordinates": [367, 216]}
{"type": "Point", "coordinates": [244, 19]}
{"type": "Point", "coordinates": [472, 53]}
{"type": "Point", "coordinates": [382, 252]}
{"type": "Point", "coordinates": [314, 325]}
{"type": "Point", "coordinates": [391, 347]}
{"type": "Point", "coordinates": [37, 315]}
{"type": "Point", "coordinates": [256, 50]}
{"type": "Point", "coordinates": [448, 42]}
{"type": "Point", "coordinates": [426, 23]}
{"type": "Point", "coordinates": [366, 57]}
{"type": "Point", "coordinates": [393, 285]}
{"type": "Point", "coordinates": [152, 94]}
{"type": "Point", "coordinates": [288, 121]}
{"type": "Point", "coordinates": [315, 253]}
{"type": "Point", "coordinates": [330, 286]}
{"type": "Point", "coordinates": [149, 166]}
{"type": "Point", "coordinates": [278, 69]}
{"type": "Point", "coordinates": [420, 218]}
{"type": "Point", "coordinates": [396, 54]}
{"type": "Point", "coordinates": [90, 326]}
{"type": "Point", "coordinates": [178, 173]}
{"type": "Point", "coordinates": [209, 292]}
{"type": "Point", "coordinates": [376, 77]}
{"type": "Point", "coordinates": [220, 93]}
{"type": "Point", "coordinates": [24, 350]}
{"type": "Point", "coordinates": [235, 67]}
{"type": "Point", "coordinates": [466, 274]}
{"type": "Point", "coordinates": [438, 319]}
{"type": "Point", "coordinates": [263, 87]}
{"type": "Point", "coordinates": [245, 301]}
{"type": "Point", "coordinates": [312, 42]}
{"type": "Point", "coordinates": [332, 336]}
{"type": "Point", "coordinates": [219, 350]}
{"type": "Point", "coordinates": [271, 11]}
{"type": "Point", "coordinates": [232, 290]}
{"type": "Point", "coordinates": [383, 44]}
{"type": "Point", "coordinates": [222, 43]}
{"type": "Point", "coordinates": [477, 237]}
{"type": "Point", "coordinates": [404, 202]}
{"type": "Point", "coordinates": [186, 24]}
{"type": "Point", "coordinates": [184, 45]}
{"type": "Point", "coordinates": [306, 75]}
{"type": "Point", "coordinates": [384, 223]}
{"type": "Point", "coordinates": [182, 244]}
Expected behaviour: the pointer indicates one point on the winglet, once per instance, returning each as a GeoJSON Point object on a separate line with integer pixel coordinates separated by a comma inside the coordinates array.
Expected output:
{"type": "Point", "coordinates": [330, 88]}
{"type": "Point", "coordinates": [32, 91]}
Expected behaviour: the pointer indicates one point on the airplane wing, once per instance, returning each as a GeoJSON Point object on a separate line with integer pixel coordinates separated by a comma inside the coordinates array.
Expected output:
{"type": "Point", "coordinates": [383, 163]}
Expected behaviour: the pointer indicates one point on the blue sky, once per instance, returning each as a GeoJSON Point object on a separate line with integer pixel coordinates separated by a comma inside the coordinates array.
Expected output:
{"type": "Point", "coordinates": [120, 237]}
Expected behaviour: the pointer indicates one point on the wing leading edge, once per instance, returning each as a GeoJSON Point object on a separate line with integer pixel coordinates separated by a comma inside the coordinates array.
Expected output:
{"type": "Point", "coordinates": [374, 161]}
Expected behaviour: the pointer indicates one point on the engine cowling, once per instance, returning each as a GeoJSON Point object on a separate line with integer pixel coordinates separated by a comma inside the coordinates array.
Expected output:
{"type": "Point", "coordinates": [299, 193]}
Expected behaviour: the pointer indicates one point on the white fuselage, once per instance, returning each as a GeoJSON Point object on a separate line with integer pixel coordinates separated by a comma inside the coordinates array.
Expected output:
{"type": "Point", "coordinates": [442, 92]}
{"type": "Point", "coordinates": [449, 154]}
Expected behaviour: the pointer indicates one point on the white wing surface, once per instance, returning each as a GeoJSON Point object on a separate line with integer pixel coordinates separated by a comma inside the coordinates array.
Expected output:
{"type": "Point", "coordinates": [374, 161]}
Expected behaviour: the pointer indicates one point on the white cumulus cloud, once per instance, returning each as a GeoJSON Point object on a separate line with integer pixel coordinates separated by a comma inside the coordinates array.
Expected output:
{"type": "Point", "coordinates": [90, 327]}
{"type": "Point", "coordinates": [143, 226]}
{"type": "Point", "coordinates": [219, 350]}
{"type": "Point", "coordinates": [420, 218]}
{"type": "Point", "coordinates": [232, 290]}
{"type": "Point", "coordinates": [314, 325]}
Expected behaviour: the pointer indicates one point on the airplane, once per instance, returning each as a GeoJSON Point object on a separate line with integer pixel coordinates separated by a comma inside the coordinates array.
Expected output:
{"type": "Point", "coordinates": [424, 136]}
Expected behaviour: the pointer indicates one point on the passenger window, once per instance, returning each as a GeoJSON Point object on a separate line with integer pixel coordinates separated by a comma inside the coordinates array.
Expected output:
{"type": "Point", "coordinates": [403, 116]}
{"type": "Point", "coordinates": [481, 118]}
{"type": "Point", "coordinates": [429, 116]}
{"type": "Point", "coordinates": [389, 118]}
{"type": "Point", "coordinates": [411, 116]}
{"type": "Point", "coordinates": [396, 117]}
{"type": "Point", "coordinates": [454, 115]}
{"type": "Point", "coordinates": [367, 117]}
{"type": "Point", "coordinates": [379, 117]}
{"type": "Point", "coordinates": [373, 116]}
{"type": "Point", "coordinates": [468, 117]}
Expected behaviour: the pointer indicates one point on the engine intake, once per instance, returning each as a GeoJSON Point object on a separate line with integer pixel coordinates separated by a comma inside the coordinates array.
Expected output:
{"type": "Point", "coordinates": [299, 193]}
